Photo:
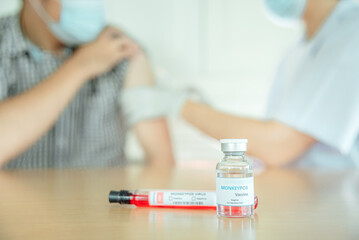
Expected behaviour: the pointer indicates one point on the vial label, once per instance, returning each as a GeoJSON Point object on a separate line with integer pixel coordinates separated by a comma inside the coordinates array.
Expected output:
{"type": "Point", "coordinates": [182, 198]}
{"type": "Point", "coordinates": [235, 191]}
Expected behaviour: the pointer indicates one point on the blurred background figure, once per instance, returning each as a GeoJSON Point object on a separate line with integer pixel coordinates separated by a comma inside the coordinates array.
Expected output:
{"type": "Point", "coordinates": [313, 109]}
{"type": "Point", "coordinates": [210, 45]}
{"type": "Point", "coordinates": [230, 51]}
{"type": "Point", "coordinates": [62, 72]}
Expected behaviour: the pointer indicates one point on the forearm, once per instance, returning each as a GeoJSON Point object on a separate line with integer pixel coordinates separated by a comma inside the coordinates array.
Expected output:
{"type": "Point", "coordinates": [272, 142]}
{"type": "Point", "coordinates": [26, 117]}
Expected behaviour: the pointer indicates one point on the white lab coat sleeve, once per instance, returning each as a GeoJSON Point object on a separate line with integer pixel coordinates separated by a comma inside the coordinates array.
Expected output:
{"type": "Point", "coordinates": [329, 111]}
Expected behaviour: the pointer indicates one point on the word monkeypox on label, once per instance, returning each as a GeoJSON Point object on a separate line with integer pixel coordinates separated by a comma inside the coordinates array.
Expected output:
{"type": "Point", "coordinates": [235, 191]}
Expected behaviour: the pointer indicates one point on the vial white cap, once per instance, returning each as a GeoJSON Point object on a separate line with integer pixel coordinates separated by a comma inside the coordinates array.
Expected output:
{"type": "Point", "coordinates": [234, 145]}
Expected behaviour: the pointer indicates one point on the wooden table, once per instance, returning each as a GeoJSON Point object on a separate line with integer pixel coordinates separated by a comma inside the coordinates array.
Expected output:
{"type": "Point", "coordinates": [73, 204]}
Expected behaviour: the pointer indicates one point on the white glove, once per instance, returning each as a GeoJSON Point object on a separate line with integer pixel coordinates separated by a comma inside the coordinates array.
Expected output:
{"type": "Point", "coordinates": [149, 102]}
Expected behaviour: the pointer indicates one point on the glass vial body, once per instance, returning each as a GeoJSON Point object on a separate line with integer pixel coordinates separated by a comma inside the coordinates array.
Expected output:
{"type": "Point", "coordinates": [235, 188]}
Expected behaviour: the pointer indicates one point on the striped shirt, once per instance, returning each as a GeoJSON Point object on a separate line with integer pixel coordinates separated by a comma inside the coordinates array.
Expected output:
{"type": "Point", "coordinates": [90, 132]}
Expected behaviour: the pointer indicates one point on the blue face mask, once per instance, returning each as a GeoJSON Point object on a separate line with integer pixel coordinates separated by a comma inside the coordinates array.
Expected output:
{"type": "Point", "coordinates": [285, 12]}
{"type": "Point", "coordinates": [81, 21]}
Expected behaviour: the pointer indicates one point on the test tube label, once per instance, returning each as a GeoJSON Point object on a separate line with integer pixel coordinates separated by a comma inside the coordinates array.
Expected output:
{"type": "Point", "coordinates": [182, 198]}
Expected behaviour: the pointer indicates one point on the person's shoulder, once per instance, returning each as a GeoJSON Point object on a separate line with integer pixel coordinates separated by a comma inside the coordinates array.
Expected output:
{"type": "Point", "coordinates": [346, 27]}
{"type": "Point", "coordinates": [341, 41]}
{"type": "Point", "coordinates": [5, 24]}
{"type": "Point", "coordinates": [4, 21]}
{"type": "Point", "coordinates": [348, 9]}
{"type": "Point", "coordinates": [349, 19]}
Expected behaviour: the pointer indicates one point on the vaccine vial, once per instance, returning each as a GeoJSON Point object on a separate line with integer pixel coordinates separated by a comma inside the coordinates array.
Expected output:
{"type": "Point", "coordinates": [234, 182]}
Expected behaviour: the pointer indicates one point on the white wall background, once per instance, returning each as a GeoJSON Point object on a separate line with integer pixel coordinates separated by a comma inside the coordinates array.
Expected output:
{"type": "Point", "coordinates": [226, 48]}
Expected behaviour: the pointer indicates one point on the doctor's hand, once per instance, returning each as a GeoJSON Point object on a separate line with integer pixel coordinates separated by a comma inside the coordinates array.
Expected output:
{"type": "Point", "coordinates": [101, 55]}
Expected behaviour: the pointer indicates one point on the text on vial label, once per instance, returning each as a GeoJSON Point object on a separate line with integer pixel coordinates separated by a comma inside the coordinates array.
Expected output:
{"type": "Point", "coordinates": [235, 191]}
